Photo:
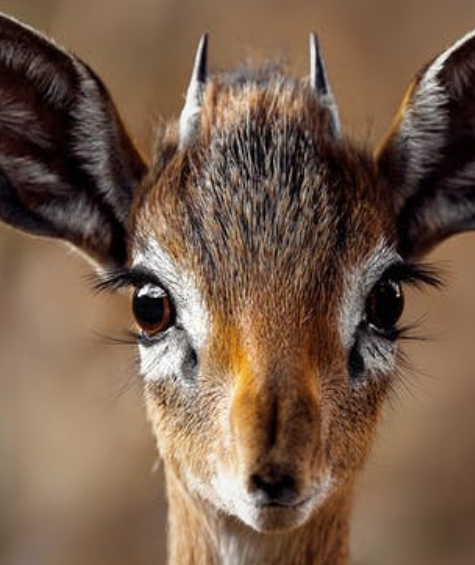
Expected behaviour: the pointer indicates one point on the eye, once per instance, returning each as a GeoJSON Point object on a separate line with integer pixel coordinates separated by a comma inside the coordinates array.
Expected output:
{"type": "Point", "coordinates": [384, 305]}
{"type": "Point", "coordinates": [152, 309]}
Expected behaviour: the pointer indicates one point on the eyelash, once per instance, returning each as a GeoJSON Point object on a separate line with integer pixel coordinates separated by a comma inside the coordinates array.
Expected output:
{"type": "Point", "coordinates": [144, 339]}
{"type": "Point", "coordinates": [419, 276]}
{"type": "Point", "coordinates": [413, 274]}
{"type": "Point", "coordinates": [116, 279]}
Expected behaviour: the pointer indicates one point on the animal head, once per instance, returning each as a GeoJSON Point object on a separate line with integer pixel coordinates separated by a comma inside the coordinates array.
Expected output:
{"type": "Point", "coordinates": [266, 252]}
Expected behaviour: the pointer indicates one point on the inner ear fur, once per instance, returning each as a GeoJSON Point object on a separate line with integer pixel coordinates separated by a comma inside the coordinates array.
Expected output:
{"type": "Point", "coordinates": [428, 158]}
{"type": "Point", "coordinates": [67, 166]}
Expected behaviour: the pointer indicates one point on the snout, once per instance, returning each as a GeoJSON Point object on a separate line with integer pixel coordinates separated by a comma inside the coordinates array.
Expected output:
{"type": "Point", "coordinates": [277, 475]}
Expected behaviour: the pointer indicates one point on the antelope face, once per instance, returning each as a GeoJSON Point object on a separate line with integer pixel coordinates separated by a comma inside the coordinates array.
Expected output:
{"type": "Point", "coordinates": [268, 305]}
{"type": "Point", "coordinates": [266, 253]}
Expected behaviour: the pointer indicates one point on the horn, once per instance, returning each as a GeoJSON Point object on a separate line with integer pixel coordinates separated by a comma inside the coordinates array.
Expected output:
{"type": "Point", "coordinates": [191, 113]}
{"type": "Point", "coordinates": [320, 85]}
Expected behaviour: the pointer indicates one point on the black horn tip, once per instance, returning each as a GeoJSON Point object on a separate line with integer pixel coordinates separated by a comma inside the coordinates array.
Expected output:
{"type": "Point", "coordinates": [201, 60]}
{"type": "Point", "coordinates": [318, 74]}
{"type": "Point", "coordinates": [320, 85]}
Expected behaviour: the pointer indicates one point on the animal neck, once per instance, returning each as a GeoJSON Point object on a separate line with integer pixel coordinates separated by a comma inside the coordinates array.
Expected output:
{"type": "Point", "coordinates": [200, 534]}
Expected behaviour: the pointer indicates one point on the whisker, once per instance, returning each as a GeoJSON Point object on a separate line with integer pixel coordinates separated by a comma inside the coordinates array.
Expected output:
{"type": "Point", "coordinates": [126, 338]}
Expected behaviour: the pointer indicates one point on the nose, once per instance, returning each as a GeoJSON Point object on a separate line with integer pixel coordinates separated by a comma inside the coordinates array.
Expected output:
{"type": "Point", "coordinates": [273, 487]}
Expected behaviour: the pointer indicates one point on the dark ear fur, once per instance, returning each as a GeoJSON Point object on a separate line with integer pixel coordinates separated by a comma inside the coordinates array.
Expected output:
{"type": "Point", "coordinates": [67, 166]}
{"type": "Point", "coordinates": [428, 159]}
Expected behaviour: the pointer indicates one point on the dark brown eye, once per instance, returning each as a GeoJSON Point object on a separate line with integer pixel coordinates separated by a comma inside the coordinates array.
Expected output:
{"type": "Point", "coordinates": [152, 309]}
{"type": "Point", "coordinates": [384, 305]}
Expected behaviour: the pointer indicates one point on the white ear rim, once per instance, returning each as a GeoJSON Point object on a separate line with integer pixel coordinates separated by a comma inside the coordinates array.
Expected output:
{"type": "Point", "coordinates": [440, 61]}
{"type": "Point", "coordinates": [425, 120]}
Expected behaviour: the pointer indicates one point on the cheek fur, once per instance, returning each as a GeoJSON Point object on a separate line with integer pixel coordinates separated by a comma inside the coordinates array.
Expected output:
{"type": "Point", "coordinates": [351, 427]}
{"type": "Point", "coordinates": [171, 358]}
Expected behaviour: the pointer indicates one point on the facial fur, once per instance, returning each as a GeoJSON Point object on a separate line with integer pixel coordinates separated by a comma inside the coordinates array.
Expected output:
{"type": "Point", "coordinates": [268, 234]}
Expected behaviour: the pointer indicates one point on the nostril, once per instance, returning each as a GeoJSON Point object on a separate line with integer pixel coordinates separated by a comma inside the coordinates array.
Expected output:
{"type": "Point", "coordinates": [273, 488]}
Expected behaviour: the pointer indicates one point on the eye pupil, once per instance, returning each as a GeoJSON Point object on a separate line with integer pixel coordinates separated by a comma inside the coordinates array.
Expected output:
{"type": "Point", "coordinates": [385, 305]}
{"type": "Point", "coordinates": [152, 309]}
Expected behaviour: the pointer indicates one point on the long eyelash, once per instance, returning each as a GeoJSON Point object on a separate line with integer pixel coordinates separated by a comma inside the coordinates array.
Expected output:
{"type": "Point", "coordinates": [130, 382]}
{"type": "Point", "coordinates": [115, 279]}
{"type": "Point", "coordinates": [141, 338]}
{"type": "Point", "coordinates": [408, 374]}
{"type": "Point", "coordinates": [408, 332]}
{"type": "Point", "coordinates": [126, 337]}
{"type": "Point", "coordinates": [416, 274]}
{"type": "Point", "coordinates": [411, 332]}
{"type": "Point", "coordinates": [410, 273]}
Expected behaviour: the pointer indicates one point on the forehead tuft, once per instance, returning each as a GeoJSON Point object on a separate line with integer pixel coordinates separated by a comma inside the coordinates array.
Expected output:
{"type": "Point", "coordinates": [266, 197]}
{"type": "Point", "coordinates": [258, 93]}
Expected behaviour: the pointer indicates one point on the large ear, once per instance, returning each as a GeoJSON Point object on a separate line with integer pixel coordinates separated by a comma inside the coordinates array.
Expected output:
{"type": "Point", "coordinates": [67, 166]}
{"type": "Point", "coordinates": [428, 159]}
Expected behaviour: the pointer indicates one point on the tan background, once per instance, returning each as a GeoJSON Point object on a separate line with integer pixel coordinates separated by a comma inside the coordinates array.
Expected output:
{"type": "Point", "coordinates": [79, 483]}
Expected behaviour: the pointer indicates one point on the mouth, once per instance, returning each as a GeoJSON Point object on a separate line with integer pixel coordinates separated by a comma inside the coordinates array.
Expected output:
{"type": "Point", "coordinates": [274, 516]}
{"type": "Point", "coordinates": [295, 504]}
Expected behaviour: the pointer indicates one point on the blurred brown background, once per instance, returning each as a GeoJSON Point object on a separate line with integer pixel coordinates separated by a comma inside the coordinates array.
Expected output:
{"type": "Point", "coordinates": [79, 479]}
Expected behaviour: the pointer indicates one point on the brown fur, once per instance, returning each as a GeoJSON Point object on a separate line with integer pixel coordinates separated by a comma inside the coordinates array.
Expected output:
{"type": "Point", "coordinates": [258, 200]}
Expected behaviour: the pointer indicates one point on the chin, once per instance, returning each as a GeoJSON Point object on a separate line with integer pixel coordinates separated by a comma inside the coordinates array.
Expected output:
{"type": "Point", "coordinates": [273, 518]}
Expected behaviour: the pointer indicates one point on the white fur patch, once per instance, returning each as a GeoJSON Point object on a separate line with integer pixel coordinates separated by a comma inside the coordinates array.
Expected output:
{"type": "Point", "coordinates": [359, 282]}
{"type": "Point", "coordinates": [235, 501]}
{"type": "Point", "coordinates": [169, 355]}
{"type": "Point", "coordinates": [439, 63]}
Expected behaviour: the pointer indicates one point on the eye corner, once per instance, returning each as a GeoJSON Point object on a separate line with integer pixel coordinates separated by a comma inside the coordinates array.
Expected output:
{"type": "Point", "coordinates": [145, 340]}
{"type": "Point", "coordinates": [389, 334]}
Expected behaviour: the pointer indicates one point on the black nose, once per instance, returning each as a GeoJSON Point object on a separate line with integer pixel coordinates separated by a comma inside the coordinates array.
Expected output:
{"type": "Point", "coordinates": [273, 487]}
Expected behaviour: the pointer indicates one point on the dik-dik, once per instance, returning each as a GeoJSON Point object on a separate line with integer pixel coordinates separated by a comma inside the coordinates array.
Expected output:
{"type": "Point", "coordinates": [266, 255]}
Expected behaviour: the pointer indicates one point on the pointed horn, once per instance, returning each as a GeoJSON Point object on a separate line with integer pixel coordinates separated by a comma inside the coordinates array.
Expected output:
{"type": "Point", "coordinates": [320, 85]}
{"type": "Point", "coordinates": [191, 113]}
